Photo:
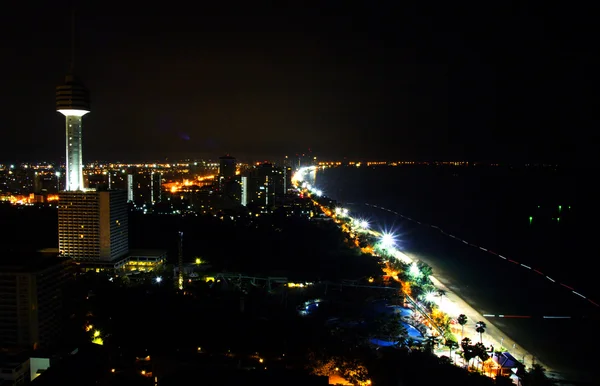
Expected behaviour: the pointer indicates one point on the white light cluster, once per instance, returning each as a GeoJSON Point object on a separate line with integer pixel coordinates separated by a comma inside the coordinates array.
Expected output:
{"type": "Point", "coordinates": [341, 212]}
{"type": "Point", "coordinates": [388, 240]}
{"type": "Point", "coordinates": [299, 175]}
{"type": "Point", "coordinates": [298, 179]}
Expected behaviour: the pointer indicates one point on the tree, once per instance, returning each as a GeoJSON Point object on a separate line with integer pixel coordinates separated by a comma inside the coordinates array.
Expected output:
{"type": "Point", "coordinates": [425, 270]}
{"type": "Point", "coordinates": [430, 343]}
{"type": "Point", "coordinates": [465, 342]}
{"type": "Point", "coordinates": [462, 320]}
{"type": "Point", "coordinates": [537, 377]}
{"type": "Point", "coordinates": [452, 345]}
{"type": "Point", "coordinates": [441, 319]}
{"type": "Point", "coordinates": [388, 326]}
{"type": "Point", "coordinates": [350, 369]}
{"type": "Point", "coordinates": [480, 328]}
{"type": "Point", "coordinates": [481, 352]}
{"type": "Point", "coordinates": [469, 351]}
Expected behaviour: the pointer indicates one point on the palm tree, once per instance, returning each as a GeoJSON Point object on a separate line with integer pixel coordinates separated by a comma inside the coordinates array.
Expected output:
{"type": "Point", "coordinates": [388, 327]}
{"type": "Point", "coordinates": [481, 353]}
{"type": "Point", "coordinates": [430, 343]}
{"type": "Point", "coordinates": [441, 293]}
{"type": "Point", "coordinates": [465, 342]}
{"type": "Point", "coordinates": [480, 328]}
{"type": "Point", "coordinates": [468, 350]}
{"type": "Point", "coordinates": [537, 376]}
{"type": "Point", "coordinates": [462, 320]}
{"type": "Point", "coordinates": [451, 345]}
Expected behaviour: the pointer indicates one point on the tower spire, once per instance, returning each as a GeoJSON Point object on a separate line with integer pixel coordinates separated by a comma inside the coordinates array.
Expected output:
{"type": "Point", "coordinates": [72, 69]}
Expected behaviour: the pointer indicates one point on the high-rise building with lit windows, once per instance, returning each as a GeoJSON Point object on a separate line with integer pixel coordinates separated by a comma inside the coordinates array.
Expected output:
{"type": "Point", "coordinates": [155, 187]}
{"type": "Point", "coordinates": [130, 187]}
{"type": "Point", "coordinates": [93, 225]}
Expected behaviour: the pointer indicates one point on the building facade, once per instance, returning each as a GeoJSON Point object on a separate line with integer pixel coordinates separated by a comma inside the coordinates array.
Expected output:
{"type": "Point", "coordinates": [93, 225]}
{"type": "Point", "coordinates": [31, 300]}
{"type": "Point", "coordinates": [227, 167]}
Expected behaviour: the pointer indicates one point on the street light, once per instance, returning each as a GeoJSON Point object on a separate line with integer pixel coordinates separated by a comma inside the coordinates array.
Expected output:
{"type": "Point", "coordinates": [387, 240]}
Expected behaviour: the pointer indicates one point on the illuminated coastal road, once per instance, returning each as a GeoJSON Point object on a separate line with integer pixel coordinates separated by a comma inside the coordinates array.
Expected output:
{"type": "Point", "coordinates": [453, 305]}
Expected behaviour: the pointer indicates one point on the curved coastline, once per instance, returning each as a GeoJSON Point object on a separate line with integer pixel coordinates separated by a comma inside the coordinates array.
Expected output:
{"type": "Point", "coordinates": [484, 285]}
{"type": "Point", "coordinates": [472, 300]}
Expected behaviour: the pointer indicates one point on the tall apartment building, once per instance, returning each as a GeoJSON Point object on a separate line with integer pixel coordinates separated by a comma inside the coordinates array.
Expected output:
{"type": "Point", "coordinates": [31, 300]}
{"type": "Point", "coordinates": [93, 226]}
{"type": "Point", "coordinates": [155, 187]}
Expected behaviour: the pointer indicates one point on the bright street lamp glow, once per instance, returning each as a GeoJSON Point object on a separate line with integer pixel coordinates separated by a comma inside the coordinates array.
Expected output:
{"type": "Point", "coordinates": [364, 224]}
{"type": "Point", "coordinates": [345, 211]}
{"type": "Point", "coordinates": [158, 279]}
{"type": "Point", "coordinates": [387, 240]}
{"type": "Point", "coordinates": [338, 210]}
{"type": "Point", "coordinates": [430, 296]}
{"type": "Point", "coordinates": [414, 270]}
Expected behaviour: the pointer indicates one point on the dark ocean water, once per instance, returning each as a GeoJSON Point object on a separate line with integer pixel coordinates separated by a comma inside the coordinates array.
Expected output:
{"type": "Point", "coordinates": [491, 207]}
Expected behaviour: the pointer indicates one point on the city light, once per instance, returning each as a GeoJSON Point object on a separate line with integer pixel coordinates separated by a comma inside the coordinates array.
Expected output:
{"type": "Point", "coordinates": [387, 240]}
{"type": "Point", "coordinates": [414, 271]}
{"type": "Point", "coordinates": [430, 296]}
{"type": "Point", "coordinates": [73, 113]}
{"type": "Point", "coordinates": [364, 224]}
{"type": "Point", "coordinates": [158, 279]}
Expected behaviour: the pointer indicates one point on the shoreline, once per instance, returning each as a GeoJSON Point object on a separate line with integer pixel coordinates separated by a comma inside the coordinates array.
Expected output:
{"type": "Point", "coordinates": [455, 273]}
{"type": "Point", "coordinates": [492, 332]}
{"type": "Point", "coordinates": [493, 335]}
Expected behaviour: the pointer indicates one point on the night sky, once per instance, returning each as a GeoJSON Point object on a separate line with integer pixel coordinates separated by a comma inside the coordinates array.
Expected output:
{"type": "Point", "coordinates": [356, 79]}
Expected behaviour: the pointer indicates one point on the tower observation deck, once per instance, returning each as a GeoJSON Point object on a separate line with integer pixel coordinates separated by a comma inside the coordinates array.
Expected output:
{"type": "Point", "coordinates": [73, 101]}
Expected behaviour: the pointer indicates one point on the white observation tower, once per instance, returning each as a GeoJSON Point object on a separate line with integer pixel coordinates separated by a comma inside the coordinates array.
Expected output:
{"type": "Point", "coordinates": [73, 101]}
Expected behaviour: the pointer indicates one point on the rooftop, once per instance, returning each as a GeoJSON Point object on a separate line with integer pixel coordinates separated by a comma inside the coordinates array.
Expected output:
{"type": "Point", "coordinates": [147, 252]}
{"type": "Point", "coordinates": [12, 262]}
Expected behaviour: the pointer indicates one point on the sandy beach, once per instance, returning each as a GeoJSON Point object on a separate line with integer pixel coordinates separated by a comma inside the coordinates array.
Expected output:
{"type": "Point", "coordinates": [454, 305]}
{"type": "Point", "coordinates": [492, 336]}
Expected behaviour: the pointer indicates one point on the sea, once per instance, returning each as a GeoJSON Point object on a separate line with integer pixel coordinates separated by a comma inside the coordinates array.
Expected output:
{"type": "Point", "coordinates": [542, 217]}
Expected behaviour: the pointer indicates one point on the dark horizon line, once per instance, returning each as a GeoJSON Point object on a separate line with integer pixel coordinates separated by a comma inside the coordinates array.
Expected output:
{"type": "Point", "coordinates": [344, 160]}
